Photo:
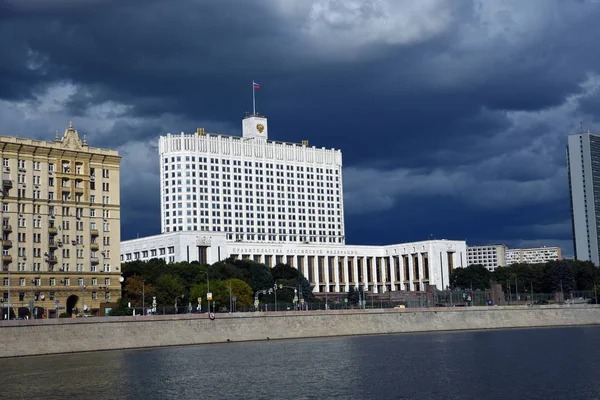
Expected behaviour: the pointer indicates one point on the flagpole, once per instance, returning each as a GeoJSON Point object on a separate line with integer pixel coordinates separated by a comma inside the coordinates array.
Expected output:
{"type": "Point", "coordinates": [253, 100]}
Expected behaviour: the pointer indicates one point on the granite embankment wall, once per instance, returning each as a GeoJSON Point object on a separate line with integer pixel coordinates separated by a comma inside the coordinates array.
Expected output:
{"type": "Point", "coordinates": [37, 337]}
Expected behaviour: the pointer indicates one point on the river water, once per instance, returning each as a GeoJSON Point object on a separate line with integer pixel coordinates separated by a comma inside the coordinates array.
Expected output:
{"type": "Point", "coordinates": [553, 363]}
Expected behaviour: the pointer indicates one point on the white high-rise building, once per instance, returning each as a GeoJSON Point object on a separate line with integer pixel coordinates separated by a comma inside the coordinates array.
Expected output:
{"type": "Point", "coordinates": [583, 159]}
{"type": "Point", "coordinates": [253, 189]}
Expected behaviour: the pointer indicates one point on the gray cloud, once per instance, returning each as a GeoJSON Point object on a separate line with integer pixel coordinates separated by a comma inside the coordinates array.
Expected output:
{"type": "Point", "coordinates": [429, 99]}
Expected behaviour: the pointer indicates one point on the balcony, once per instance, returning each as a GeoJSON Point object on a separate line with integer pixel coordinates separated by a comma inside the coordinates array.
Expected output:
{"type": "Point", "coordinates": [94, 260]}
{"type": "Point", "coordinates": [94, 246]}
{"type": "Point", "coordinates": [6, 259]}
{"type": "Point", "coordinates": [7, 183]}
{"type": "Point", "coordinates": [6, 243]}
{"type": "Point", "coordinates": [52, 244]}
{"type": "Point", "coordinates": [52, 230]}
{"type": "Point", "coordinates": [94, 232]}
{"type": "Point", "coordinates": [51, 259]}
{"type": "Point", "coordinates": [6, 228]}
{"type": "Point", "coordinates": [79, 189]}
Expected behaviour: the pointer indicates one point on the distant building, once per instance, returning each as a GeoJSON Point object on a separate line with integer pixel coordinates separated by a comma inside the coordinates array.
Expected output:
{"type": "Point", "coordinates": [499, 255]}
{"type": "Point", "coordinates": [491, 256]}
{"type": "Point", "coordinates": [583, 160]}
{"type": "Point", "coordinates": [60, 224]}
{"type": "Point", "coordinates": [535, 255]}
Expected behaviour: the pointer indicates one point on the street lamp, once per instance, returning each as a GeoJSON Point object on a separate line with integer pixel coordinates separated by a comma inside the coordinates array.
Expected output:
{"type": "Point", "coordinates": [207, 290]}
{"type": "Point", "coordinates": [275, 287]}
{"type": "Point", "coordinates": [82, 298]}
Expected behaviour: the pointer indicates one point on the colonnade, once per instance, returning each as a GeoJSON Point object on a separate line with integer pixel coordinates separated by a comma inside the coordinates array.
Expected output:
{"type": "Point", "coordinates": [377, 274]}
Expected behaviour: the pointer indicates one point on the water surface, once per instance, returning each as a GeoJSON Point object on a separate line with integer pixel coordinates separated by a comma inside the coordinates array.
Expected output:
{"type": "Point", "coordinates": [555, 363]}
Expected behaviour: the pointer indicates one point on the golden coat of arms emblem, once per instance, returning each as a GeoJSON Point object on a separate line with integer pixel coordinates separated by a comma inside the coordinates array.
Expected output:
{"type": "Point", "coordinates": [260, 128]}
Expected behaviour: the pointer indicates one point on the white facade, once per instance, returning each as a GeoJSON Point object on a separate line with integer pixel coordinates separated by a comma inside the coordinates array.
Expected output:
{"type": "Point", "coordinates": [535, 255]}
{"type": "Point", "coordinates": [491, 256]}
{"type": "Point", "coordinates": [494, 256]}
{"type": "Point", "coordinates": [330, 268]}
{"type": "Point", "coordinates": [583, 160]}
{"type": "Point", "coordinates": [250, 188]}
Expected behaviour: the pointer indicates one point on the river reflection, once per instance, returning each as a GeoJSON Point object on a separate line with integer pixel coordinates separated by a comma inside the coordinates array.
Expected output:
{"type": "Point", "coordinates": [533, 364]}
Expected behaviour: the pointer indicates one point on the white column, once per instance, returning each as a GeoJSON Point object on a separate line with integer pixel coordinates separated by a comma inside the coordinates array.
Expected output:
{"type": "Point", "coordinates": [410, 272]}
{"type": "Point", "coordinates": [336, 273]}
{"type": "Point", "coordinates": [316, 271]}
{"type": "Point", "coordinates": [355, 269]}
{"type": "Point", "coordinates": [327, 273]}
{"type": "Point", "coordinates": [392, 273]}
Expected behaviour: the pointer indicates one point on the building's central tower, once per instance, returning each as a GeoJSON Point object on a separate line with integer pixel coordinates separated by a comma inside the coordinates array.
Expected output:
{"type": "Point", "coordinates": [255, 127]}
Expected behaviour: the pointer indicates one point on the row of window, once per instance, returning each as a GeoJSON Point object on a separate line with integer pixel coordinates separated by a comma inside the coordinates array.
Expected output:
{"type": "Point", "coordinates": [66, 253]}
{"type": "Point", "coordinates": [53, 281]}
{"type": "Point", "coordinates": [148, 253]}
{"type": "Point", "coordinates": [66, 167]}
{"type": "Point", "coordinates": [178, 159]}
{"type": "Point", "coordinates": [52, 296]}
{"type": "Point", "coordinates": [65, 267]}
{"type": "Point", "coordinates": [65, 211]}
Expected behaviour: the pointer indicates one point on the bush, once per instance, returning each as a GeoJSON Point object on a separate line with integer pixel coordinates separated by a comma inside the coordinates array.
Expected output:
{"type": "Point", "coordinates": [64, 315]}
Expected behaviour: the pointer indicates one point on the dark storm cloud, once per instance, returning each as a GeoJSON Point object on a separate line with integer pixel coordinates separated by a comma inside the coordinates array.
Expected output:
{"type": "Point", "coordinates": [447, 95]}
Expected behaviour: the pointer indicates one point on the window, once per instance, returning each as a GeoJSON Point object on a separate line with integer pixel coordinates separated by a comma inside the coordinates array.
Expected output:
{"type": "Point", "coordinates": [106, 281]}
{"type": "Point", "coordinates": [94, 281]}
{"type": "Point", "coordinates": [21, 281]}
{"type": "Point", "coordinates": [52, 281]}
{"type": "Point", "coordinates": [107, 296]}
{"type": "Point", "coordinates": [80, 281]}
{"type": "Point", "coordinates": [94, 296]}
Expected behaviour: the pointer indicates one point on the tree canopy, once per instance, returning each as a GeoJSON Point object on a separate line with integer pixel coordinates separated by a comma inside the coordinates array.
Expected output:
{"type": "Point", "coordinates": [549, 277]}
{"type": "Point", "coordinates": [187, 282]}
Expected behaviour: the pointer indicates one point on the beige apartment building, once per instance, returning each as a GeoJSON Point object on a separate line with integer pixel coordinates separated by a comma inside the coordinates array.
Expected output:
{"type": "Point", "coordinates": [60, 226]}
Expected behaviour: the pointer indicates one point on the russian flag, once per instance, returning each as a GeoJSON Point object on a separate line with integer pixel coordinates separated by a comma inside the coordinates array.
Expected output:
{"type": "Point", "coordinates": [256, 85]}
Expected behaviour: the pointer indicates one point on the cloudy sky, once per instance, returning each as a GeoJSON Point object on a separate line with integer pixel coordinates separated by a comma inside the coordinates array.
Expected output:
{"type": "Point", "coordinates": [452, 115]}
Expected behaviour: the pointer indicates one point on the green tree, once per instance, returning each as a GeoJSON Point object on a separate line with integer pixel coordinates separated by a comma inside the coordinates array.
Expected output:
{"type": "Point", "coordinates": [353, 296]}
{"type": "Point", "coordinates": [167, 288]}
{"type": "Point", "coordinates": [475, 276]}
{"type": "Point", "coordinates": [559, 277]}
{"type": "Point", "coordinates": [135, 288]}
{"type": "Point", "coordinates": [121, 309]}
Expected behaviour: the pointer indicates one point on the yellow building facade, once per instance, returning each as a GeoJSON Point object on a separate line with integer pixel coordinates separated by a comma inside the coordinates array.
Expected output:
{"type": "Point", "coordinates": [60, 226]}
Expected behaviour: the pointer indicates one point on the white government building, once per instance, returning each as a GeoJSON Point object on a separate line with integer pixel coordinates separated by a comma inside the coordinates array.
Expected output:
{"type": "Point", "coordinates": [275, 202]}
